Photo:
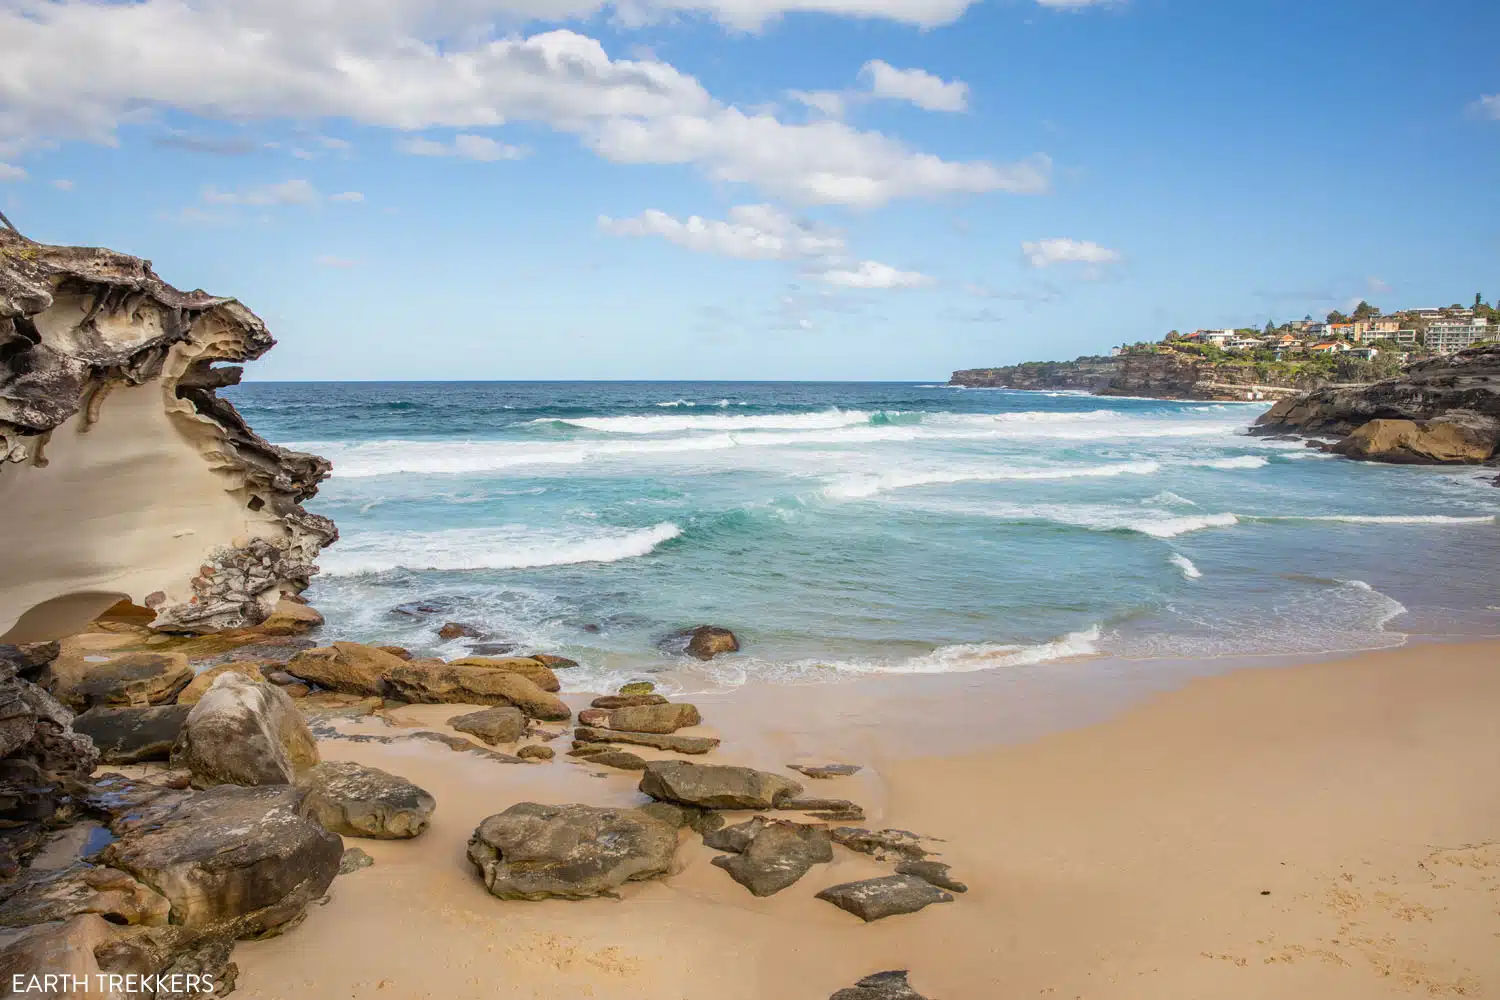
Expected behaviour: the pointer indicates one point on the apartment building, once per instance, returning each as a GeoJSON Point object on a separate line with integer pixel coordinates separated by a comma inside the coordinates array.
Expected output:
{"type": "Point", "coordinates": [1448, 335]}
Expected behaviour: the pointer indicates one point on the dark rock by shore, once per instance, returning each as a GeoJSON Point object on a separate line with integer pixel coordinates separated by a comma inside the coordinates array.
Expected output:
{"type": "Point", "coordinates": [1442, 411]}
{"type": "Point", "coordinates": [533, 851]}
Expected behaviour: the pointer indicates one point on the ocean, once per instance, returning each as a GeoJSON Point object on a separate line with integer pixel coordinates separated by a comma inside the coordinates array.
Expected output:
{"type": "Point", "coordinates": [847, 529]}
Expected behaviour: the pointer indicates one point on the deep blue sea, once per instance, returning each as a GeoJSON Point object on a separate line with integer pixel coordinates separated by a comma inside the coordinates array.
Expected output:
{"type": "Point", "coordinates": [844, 529]}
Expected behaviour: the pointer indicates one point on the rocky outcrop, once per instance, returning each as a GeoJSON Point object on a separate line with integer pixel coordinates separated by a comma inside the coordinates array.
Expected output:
{"type": "Point", "coordinates": [1086, 373]}
{"type": "Point", "coordinates": [347, 667]}
{"type": "Point", "coordinates": [132, 679]}
{"type": "Point", "coordinates": [532, 669]}
{"type": "Point", "coordinates": [358, 801]}
{"type": "Point", "coordinates": [132, 479]}
{"type": "Point", "coordinates": [654, 718]}
{"type": "Point", "coordinates": [244, 733]}
{"type": "Point", "coordinates": [533, 851]}
{"type": "Point", "coordinates": [43, 770]}
{"type": "Point", "coordinates": [674, 743]}
{"type": "Point", "coordinates": [776, 855]}
{"type": "Point", "coordinates": [1442, 411]}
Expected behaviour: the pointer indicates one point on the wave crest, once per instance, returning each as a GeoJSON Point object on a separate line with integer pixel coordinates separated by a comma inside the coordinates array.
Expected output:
{"type": "Point", "coordinates": [505, 547]}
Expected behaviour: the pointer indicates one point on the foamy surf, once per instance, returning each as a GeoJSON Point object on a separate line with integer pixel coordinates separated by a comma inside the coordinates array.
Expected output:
{"type": "Point", "coordinates": [862, 487]}
{"type": "Point", "coordinates": [500, 548]}
{"type": "Point", "coordinates": [1185, 565]}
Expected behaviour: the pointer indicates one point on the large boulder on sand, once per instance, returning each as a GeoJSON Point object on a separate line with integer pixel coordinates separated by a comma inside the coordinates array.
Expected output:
{"type": "Point", "coordinates": [81, 681]}
{"type": "Point", "coordinates": [347, 667]}
{"type": "Point", "coordinates": [654, 718]}
{"type": "Point", "coordinates": [205, 680]}
{"type": "Point", "coordinates": [881, 986]}
{"type": "Point", "coordinates": [500, 724]}
{"type": "Point", "coordinates": [358, 801]}
{"type": "Point", "coordinates": [716, 786]}
{"type": "Point", "coordinates": [133, 735]}
{"type": "Point", "coordinates": [244, 733]}
{"type": "Point", "coordinates": [1458, 436]}
{"type": "Point", "coordinates": [435, 682]}
{"type": "Point", "coordinates": [534, 851]}
{"type": "Point", "coordinates": [528, 667]}
{"type": "Point", "coordinates": [874, 898]}
{"type": "Point", "coordinates": [779, 854]}
{"type": "Point", "coordinates": [237, 861]}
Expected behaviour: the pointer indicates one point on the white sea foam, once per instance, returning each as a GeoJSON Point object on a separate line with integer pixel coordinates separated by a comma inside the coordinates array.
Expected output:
{"type": "Point", "coordinates": [1237, 462]}
{"type": "Point", "coordinates": [1155, 523]}
{"type": "Point", "coordinates": [1182, 562]}
{"type": "Point", "coordinates": [1385, 518]}
{"type": "Point", "coordinates": [862, 486]}
{"type": "Point", "coordinates": [503, 547]}
{"type": "Point", "coordinates": [820, 420]}
{"type": "Point", "coordinates": [677, 402]}
{"type": "Point", "coordinates": [985, 656]}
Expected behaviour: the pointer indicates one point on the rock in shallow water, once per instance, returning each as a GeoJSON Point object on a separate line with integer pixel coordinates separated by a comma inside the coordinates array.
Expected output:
{"type": "Point", "coordinates": [534, 851]}
{"type": "Point", "coordinates": [715, 786]}
{"type": "Point", "coordinates": [358, 801]}
{"type": "Point", "coordinates": [875, 898]}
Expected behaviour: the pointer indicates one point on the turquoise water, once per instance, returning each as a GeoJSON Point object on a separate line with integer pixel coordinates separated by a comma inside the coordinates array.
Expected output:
{"type": "Point", "coordinates": [844, 529]}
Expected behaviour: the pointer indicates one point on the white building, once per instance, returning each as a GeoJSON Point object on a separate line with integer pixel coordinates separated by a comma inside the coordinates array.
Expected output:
{"type": "Point", "coordinates": [1449, 335]}
{"type": "Point", "coordinates": [1406, 338]}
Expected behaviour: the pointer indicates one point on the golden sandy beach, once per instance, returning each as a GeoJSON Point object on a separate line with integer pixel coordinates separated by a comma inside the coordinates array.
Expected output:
{"type": "Point", "coordinates": [1328, 831]}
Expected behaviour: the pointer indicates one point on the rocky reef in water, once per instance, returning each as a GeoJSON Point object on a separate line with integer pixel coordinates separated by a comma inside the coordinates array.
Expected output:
{"type": "Point", "coordinates": [122, 475]}
{"type": "Point", "coordinates": [1442, 411]}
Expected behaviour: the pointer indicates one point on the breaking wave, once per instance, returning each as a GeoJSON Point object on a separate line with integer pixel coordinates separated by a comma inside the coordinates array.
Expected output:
{"type": "Point", "coordinates": [861, 486]}
{"type": "Point", "coordinates": [505, 547]}
{"type": "Point", "coordinates": [1183, 563]}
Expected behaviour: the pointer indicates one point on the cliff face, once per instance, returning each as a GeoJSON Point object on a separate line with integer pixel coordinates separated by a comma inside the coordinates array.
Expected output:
{"type": "Point", "coordinates": [1159, 374]}
{"type": "Point", "coordinates": [1441, 410]}
{"type": "Point", "coordinates": [122, 474]}
{"type": "Point", "coordinates": [1087, 373]}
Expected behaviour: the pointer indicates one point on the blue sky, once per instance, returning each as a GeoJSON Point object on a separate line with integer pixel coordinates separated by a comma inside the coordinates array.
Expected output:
{"type": "Point", "coordinates": [883, 189]}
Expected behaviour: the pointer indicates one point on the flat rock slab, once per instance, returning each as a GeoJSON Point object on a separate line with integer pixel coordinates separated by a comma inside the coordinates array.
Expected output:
{"type": "Point", "coordinates": [528, 667]}
{"type": "Point", "coordinates": [716, 786]}
{"type": "Point", "coordinates": [613, 701]}
{"type": "Point", "coordinates": [133, 735]}
{"type": "Point", "coordinates": [932, 871]}
{"type": "Point", "coordinates": [777, 856]}
{"type": "Point", "coordinates": [876, 898]}
{"type": "Point", "coordinates": [677, 744]}
{"type": "Point", "coordinates": [346, 667]}
{"type": "Point", "coordinates": [358, 801]}
{"type": "Point", "coordinates": [666, 718]}
{"type": "Point", "coordinates": [883, 845]}
{"type": "Point", "coordinates": [831, 810]}
{"type": "Point", "coordinates": [433, 682]}
{"type": "Point", "coordinates": [40, 897]}
{"type": "Point", "coordinates": [240, 861]}
{"type": "Point", "coordinates": [534, 851]}
{"type": "Point", "coordinates": [500, 724]}
{"type": "Point", "coordinates": [826, 770]}
{"type": "Point", "coordinates": [881, 986]}
{"type": "Point", "coordinates": [621, 759]}
{"type": "Point", "coordinates": [132, 679]}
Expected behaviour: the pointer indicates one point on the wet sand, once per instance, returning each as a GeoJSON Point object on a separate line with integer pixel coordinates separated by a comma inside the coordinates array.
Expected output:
{"type": "Point", "coordinates": [1328, 831]}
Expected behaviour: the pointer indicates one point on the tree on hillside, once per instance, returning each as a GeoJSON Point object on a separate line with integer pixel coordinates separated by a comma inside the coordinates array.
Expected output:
{"type": "Point", "coordinates": [1364, 310]}
{"type": "Point", "coordinates": [1337, 317]}
{"type": "Point", "coordinates": [1270, 327]}
{"type": "Point", "coordinates": [1478, 300]}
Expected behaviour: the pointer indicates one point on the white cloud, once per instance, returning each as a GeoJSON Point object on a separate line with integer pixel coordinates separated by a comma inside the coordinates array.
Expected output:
{"type": "Point", "coordinates": [1045, 253]}
{"type": "Point", "coordinates": [931, 93]}
{"type": "Point", "coordinates": [821, 162]}
{"type": "Point", "coordinates": [830, 103]}
{"type": "Point", "coordinates": [11, 173]}
{"type": "Point", "coordinates": [468, 147]}
{"type": "Point", "coordinates": [873, 274]}
{"type": "Point", "coordinates": [337, 145]}
{"type": "Point", "coordinates": [1488, 106]}
{"type": "Point", "coordinates": [1377, 286]}
{"type": "Point", "coordinates": [63, 185]}
{"type": "Point", "coordinates": [330, 261]}
{"type": "Point", "coordinates": [753, 232]}
{"type": "Point", "coordinates": [346, 196]}
{"type": "Point", "coordinates": [294, 192]}
{"type": "Point", "coordinates": [244, 60]}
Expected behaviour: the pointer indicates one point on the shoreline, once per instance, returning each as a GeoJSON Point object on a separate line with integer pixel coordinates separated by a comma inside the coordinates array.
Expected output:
{"type": "Point", "coordinates": [1121, 858]}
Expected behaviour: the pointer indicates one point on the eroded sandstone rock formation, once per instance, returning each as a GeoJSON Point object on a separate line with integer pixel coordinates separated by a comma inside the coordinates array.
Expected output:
{"type": "Point", "coordinates": [122, 474]}
{"type": "Point", "coordinates": [1446, 410]}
